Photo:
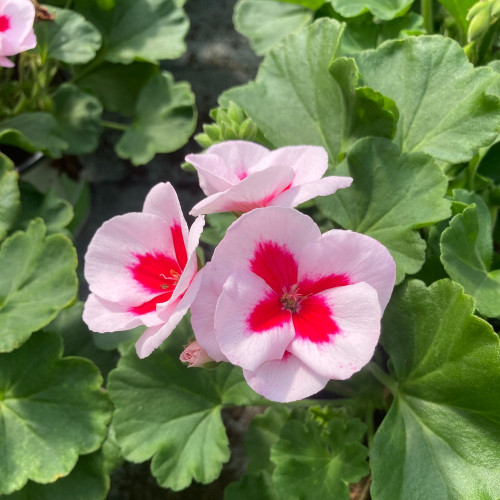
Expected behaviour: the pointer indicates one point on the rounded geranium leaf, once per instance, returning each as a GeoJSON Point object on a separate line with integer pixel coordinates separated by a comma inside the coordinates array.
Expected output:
{"type": "Point", "coordinates": [172, 414]}
{"type": "Point", "coordinates": [139, 29]}
{"type": "Point", "coordinates": [87, 481]}
{"type": "Point", "coordinates": [328, 110]}
{"type": "Point", "coordinates": [9, 196]}
{"type": "Point", "coordinates": [382, 10]}
{"type": "Point", "coordinates": [444, 423]}
{"type": "Point", "coordinates": [38, 279]}
{"type": "Point", "coordinates": [391, 196]}
{"type": "Point", "coordinates": [164, 119]}
{"type": "Point", "coordinates": [266, 22]}
{"type": "Point", "coordinates": [79, 116]}
{"type": "Point", "coordinates": [310, 458]}
{"type": "Point", "coordinates": [69, 37]}
{"type": "Point", "coordinates": [446, 109]}
{"type": "Point", "coordinates": [51, 413]}
{"type": "Point", "coordinates": [466, 253]}
{"type": "Point", "coordinates": [33, 131]}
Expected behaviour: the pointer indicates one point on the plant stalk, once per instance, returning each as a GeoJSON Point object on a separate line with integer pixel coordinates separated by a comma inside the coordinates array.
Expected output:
{"type": "Point", "coordinates": [383, 377]}
{"type": "Point", "coordinates": [428, 15]}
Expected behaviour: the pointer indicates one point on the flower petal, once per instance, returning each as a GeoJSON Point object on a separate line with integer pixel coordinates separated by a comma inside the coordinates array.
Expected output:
{"type": "Point", "coordinates": [308, 162]}
{"type": "Point", "coordinates": [284, 227]}
{"type": "Point", "coordinates": [163, 202]}
{"type": "Point", "coordinates": [102, 316]}
{"type": "Point", "coordinates": [250, 324]}
{"type": "Point", "coordinates": [116, 250]}
{"type": "Point", "coordinates": [354, 255]}
{"type": "Point", "coordinates": [153, 337]}
{"type": "Point", "coordinates": [214, 175]}
{"type": "Point", "coordinates": [285, 380]}
{"type": "Point", "coordinates": [203, 314]}
{"type": "Point", "coordinates": [355, 310]}
{"type": "Point", "coordinates": [304, 192]}
{"type": "Point", "coordinates": [255, 191]}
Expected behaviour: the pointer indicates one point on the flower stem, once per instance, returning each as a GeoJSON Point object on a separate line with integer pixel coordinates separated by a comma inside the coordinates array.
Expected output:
{"type": "Point", "coordinates": [383, 377]}
{"type": "Point", "coordinates": [114, 125]}
{"type": "Point", "coordinates": [427, 14]}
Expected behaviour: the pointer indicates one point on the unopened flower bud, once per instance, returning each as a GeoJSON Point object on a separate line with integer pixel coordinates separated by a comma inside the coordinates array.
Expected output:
{"type": "Point", "coordinates": [479, 25]}
{"type": "Point", "coordinates": [195, 355]}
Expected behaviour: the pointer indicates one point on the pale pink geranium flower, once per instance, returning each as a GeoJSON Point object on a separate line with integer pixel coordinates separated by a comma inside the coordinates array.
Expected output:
{"type": "Point", "coordinates": [16, 29]}
{"type": "Point", "coordinates": [239, 176]}
{"type": "Point", "coordinates": [141, 270]}
{"type": "Point", "coordinates": [292, 307]}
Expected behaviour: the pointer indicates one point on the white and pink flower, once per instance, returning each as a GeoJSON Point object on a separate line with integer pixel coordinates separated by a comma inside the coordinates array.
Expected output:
{"type": "Point", "coordinates": [292, 307]}
{"type": "Point", "coordinates": [239, 176]}
{"type": "Point", "coordinates": [141, 270]}
{"type": "Point", "coordinates": [16, 29]}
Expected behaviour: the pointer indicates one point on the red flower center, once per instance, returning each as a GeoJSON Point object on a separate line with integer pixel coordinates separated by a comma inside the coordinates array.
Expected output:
{"type": "Point", "coordinates": [293, 299]}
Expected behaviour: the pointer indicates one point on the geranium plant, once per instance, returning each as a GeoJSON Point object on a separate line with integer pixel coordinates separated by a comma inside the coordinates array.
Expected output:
{"type": "Point", "coordinates": [94, 65]}
{"type": "Point", "coordinates": [344, 299]}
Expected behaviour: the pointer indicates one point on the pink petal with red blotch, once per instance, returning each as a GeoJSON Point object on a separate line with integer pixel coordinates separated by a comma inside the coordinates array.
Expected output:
{"type": "Point", "coordinates": [19, 36]}
{"type": "Point", "coordinates": [153, 337]}
{"type": "Point", "coordinates": [338, 352]}
{"type": "Point", "coordinates": [255, 191]}
{"type": "Point", "coordinates": [163, 202]}
{"type": "Point", "coordinates": [192, 264]}
{"type": "Point", "coordinates": [285, 380]}
{"type": "Point", "coordinates": [357, 256]}
{"type": "Point", "coordinates": [309, 163]}
{"type": "Point", "coordinates": [304, 192]}
{"type": "Point", "coordinates": [203, 314]}
{"type": "Point", "coordinates": [285, 228]}
{"type": "Point", "coordinates": [250, 324]}
{"type": "Point", "coordinates": [126, 257]}
{"type": "Point", "coordinates": [102, 316]}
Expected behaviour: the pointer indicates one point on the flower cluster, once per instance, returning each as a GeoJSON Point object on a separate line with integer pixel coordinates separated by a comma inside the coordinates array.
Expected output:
{"type": "Point", "coordinates": [16, 29]}
{"type": "Point", "coordinates": [291, 306]}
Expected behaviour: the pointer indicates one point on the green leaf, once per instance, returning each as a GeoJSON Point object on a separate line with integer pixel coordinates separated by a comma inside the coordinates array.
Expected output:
{"type": "Point", "coordinates": [444, 105]}
{"type": "Point", "coordinates": [165, 119]}
{"type": "Point", "coordinates": [310, 458]}
{"type": "Point", "coordinates": [216, 227]}
{"type": "Point", "coordinates": [117, 85]}
{"type": "Point", "coordinates": [79, 118]}
{"type": "Point", "coordinates": [392, 195]}
{"type": "Point", "coordinates": [150, 30]}
{"type": "Point", "coordinates": [267, 22]}
{"type": "Point", "coordinates": [38, 279]}
{"type": "Point", "coordinates": [172, 414]}
{"type": "Point", "coordinates": [310, 4]}
{"type": "Point", "coordinates": [365, 34]}
{"type": "Point", "coordinates": [263, 433]}
{"type": "Point", "coordinates": [51, 411]}
{"type": "Point", "coordinates": [36, 131]}
{"type": "Point", "coordinates": [458, 9]}
{"type": "Point", "coordinates": [87, 481]}
{"type": "Point", "coordinates": [55, 212]}
{"type": "Point", "coordinates": [388, 9]}
{"type": "Point", "coordinates": [9, 196]}
{"type": "Point", "coordinates": [69, 38]}
{"type": "Point", "coordinates": [78, 340]}
{"type": "Point", "coordinates": [327, 109]}
{"type": "Point", "coordinates": [441, 435]}
{"type": "Point", "coordinates": [252, 487]}
{"type": "Point", "coordinates": [467, 252]}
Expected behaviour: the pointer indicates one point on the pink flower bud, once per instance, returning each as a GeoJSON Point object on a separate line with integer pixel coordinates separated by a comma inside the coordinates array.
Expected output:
{"type": "Point", "coordinates": [195, 355]}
